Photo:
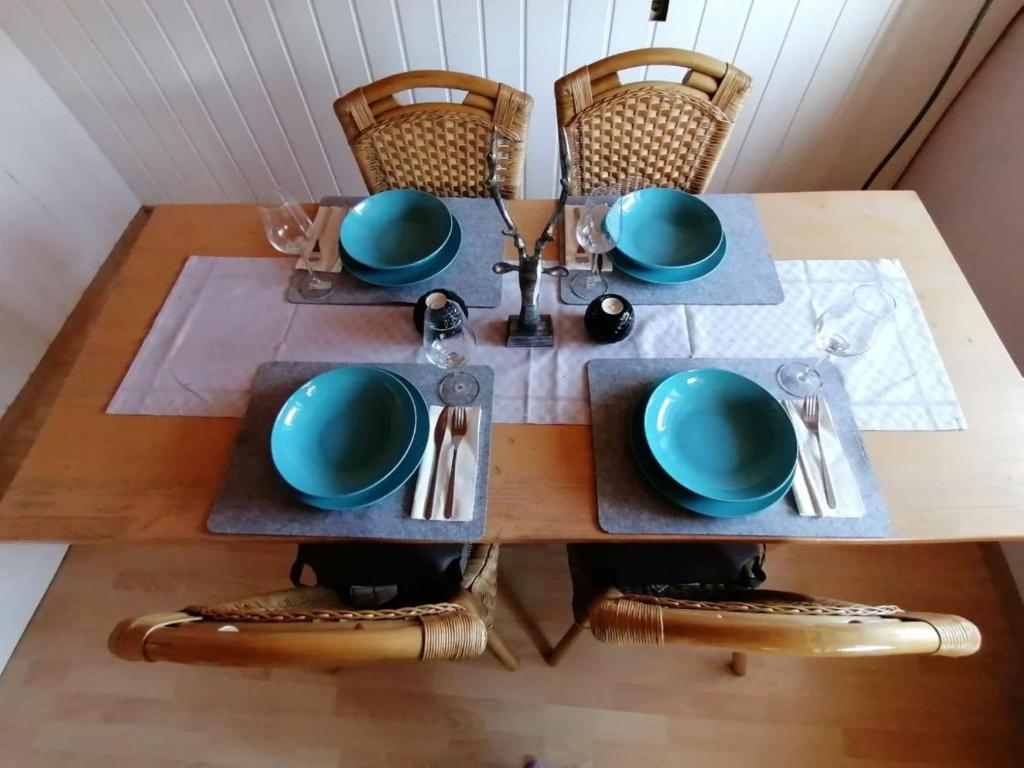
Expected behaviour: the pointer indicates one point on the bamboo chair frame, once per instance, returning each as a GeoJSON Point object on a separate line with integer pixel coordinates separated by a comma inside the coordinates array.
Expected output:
{"type": "Point", "coordinates": [436, 147]}
{"type": "Point", "coordinates": [780, 623]}
{"type": "Point", "coordinates": [669, 134]}
{"type": "Point", "coordinates": [309, 627]}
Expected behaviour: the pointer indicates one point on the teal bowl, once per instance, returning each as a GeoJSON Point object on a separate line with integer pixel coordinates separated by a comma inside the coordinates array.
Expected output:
{"type": "Point", "coordinates": [343, 432]}
{"type": "Point", "coordinates": [396, 229]}
{"type": "Point", "coordinates": [720, 435]}
{"type": "Point", "coordinates": [682, 497]}
{"type": "Point", "coordinates": [669, 276]}
{"type": "Point", "coordinates": [397, 479]}
{"type": "Point", "coordinates": [664, 229]}
{"type": "Point", "coordinates": [410, 275]}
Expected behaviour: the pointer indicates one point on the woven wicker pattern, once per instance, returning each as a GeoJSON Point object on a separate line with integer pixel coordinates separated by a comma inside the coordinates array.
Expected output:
{"type": "Point", "coordinates": [453, 636]}
{"type": "Point", "coordinates": [437, 153]}
{"type": "Point", "coordinates": [774, 602]}
{"type": "Point", "coordinates": [627, 622]}
{"type": "Point", "coordinates": [480, 578]}
{"type": "Point", "coordinates": [663, 136]}
{"type": "Point", "coordinates": [957, 637]}
{"type": "Point", "coordinates": [312, 627]}
{"type": "Point", "coordinates": [435, 147]}
{"type": "Point", "coordinates": [634, 619]}
{"type": "Point", "coordinates": [277, 615]}
{"type": "Point", "coordinates": [669, 134]}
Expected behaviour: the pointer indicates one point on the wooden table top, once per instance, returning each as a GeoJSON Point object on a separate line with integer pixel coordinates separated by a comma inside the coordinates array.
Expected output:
{"type": "Point", "coordinates": [91, 477]}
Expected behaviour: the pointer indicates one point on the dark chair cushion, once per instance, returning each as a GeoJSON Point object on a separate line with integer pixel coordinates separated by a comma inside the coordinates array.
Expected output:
{"type": "Point", "coordinates": [368, 575]}
{"type": "Point", "coordinates": [679, 570]}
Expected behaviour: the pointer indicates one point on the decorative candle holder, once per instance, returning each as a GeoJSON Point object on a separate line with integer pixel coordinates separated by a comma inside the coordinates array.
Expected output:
{"type": "Point", "coordinates": [609, 318]}
{"type": "Point", "coordinates": [420, 309]}
{"type": "Point", "coordinates": [529, 328]}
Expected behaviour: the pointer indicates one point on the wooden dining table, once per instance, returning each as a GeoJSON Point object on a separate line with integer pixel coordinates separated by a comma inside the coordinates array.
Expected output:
{"type": "Point", "coordinates": [93, 477]}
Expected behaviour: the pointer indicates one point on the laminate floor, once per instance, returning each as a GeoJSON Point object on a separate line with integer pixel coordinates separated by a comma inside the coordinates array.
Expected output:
{"type": "Point", "coordinates": [65, 701]}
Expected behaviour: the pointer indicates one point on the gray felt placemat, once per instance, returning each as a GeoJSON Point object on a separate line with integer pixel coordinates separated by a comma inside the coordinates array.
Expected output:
{"type": "Point", "coordinates": [469, 274]}
{"type": "Point", "coordinates": [255, 501]}
{"type": "Point", "coordinates": [745, 276]}
{"type": "Point", "coordinates": [627, 504]}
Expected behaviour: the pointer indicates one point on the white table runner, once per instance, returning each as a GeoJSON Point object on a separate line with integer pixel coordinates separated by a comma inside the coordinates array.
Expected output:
{"type": "Point", "coordinates": [225, 316]}
{"type": "Point", "coordinates": [899, 384]}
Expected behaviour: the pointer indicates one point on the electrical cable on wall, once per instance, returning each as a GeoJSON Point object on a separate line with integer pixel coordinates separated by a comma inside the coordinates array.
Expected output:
{"type": "Point", "coordinates": [934, 95]}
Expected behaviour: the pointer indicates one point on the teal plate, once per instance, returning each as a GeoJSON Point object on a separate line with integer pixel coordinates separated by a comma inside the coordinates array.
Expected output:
{"type": "Point", "coordinates": [665, 229]}
{"type": "Point", "coordinates": [668, 276]}
{"type": "Point", "coordinates": [679, 495]}
{"type": "Point", "coordinates": [720, 435]}
{"type": "Point", "coordinates": [343, 432]}
{"type": "Point", "coordinates": [409, 275]}
{"type": "Point", "coordinates": [396, 229]}
{"type": "Point", "coordinates": [403, 471]}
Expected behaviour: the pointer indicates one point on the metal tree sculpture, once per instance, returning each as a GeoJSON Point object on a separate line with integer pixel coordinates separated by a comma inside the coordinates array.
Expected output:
{"type": "Point", "coordinates": [529, 328]}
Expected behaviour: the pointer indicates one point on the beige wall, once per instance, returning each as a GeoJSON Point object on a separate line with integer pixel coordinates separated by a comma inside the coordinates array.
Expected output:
{"type": "Point", "coordinates": [970, 175]}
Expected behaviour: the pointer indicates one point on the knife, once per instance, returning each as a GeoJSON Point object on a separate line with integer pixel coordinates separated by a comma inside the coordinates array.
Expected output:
{"type": "Point", "coordinates": [439, 432]}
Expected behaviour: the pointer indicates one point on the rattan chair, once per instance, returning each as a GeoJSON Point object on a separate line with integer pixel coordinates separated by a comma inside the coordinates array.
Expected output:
{"type": "Point", "coordinates": [310, 627]}
{"type": "Point", "coordinates": [669, 134]}
{"type": "Point", "coordinates": [756, 620]}
{"type": "Point", "coordinates": [436, 147]}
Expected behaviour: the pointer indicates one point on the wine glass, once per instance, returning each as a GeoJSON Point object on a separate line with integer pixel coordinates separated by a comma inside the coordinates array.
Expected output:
{"type": "Point", "coordinates": [449, 342]}
{"type": "Point", "coordinates": [593, 237]}
{"type": "Point", "coordinates": [847, 328]}
{"type": "Point", "coordinates": [289, 230]}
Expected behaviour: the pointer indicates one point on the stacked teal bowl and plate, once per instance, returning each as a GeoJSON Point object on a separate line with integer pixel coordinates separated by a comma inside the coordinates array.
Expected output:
{"type": "Point", "coordinates": [665, 236]}
{"type": "Point", "coordinates": [714, 442]}
{"type": "Point", "coordinates": [399, 237]}
{"type": "Point", "coordinates": [350, 437]}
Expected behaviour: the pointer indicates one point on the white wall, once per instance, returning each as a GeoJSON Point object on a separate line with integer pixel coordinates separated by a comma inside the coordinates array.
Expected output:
{"type": "Point", "coordinates": [62, 208]}
{"type": "Point", "coordinates": [218, 100]}
{"type": "Point", "coordinates": [25, 572]}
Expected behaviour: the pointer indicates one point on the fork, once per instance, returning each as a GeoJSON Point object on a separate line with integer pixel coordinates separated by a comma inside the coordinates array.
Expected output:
{"type": "Point", "coordinates": [812, 417]}
{"type": "Point", "coordinates": [459, 425]}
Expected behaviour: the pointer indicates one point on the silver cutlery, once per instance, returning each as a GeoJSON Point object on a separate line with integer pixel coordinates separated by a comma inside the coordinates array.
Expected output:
{"type": "Point", "coordinates": [439, 432]}
{"type": "Point", "coordinates": [812, 417]}
{"type": "Point", "coordinates": [811, 489]}
{"type": "Point", "coordinates": [796, 415]}
{"type": "Point", "coordinates": [460, 425]}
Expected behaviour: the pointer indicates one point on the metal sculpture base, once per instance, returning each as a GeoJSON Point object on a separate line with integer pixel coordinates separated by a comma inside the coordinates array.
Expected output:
{"type": "Point", "coordinates": [541, 336]}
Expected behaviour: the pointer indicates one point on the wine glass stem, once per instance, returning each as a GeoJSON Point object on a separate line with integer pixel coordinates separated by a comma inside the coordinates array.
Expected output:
{"type": "Point", "coordinates": [812, 367]}
{"type": "Point", "coordinates": [305, 261]}
{"type": "Point", "coordinates": [312, 280]}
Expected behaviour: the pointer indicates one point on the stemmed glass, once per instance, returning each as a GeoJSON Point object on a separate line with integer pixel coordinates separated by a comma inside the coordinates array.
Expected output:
{"type": "Point", "coordinates": [289, 230]}
{"type": "Point", "coordinates": [449, 342]}
{"type": "Point", "coordinates": [593, 237]}
{"type": "Point", "coordinates": [847, 328]}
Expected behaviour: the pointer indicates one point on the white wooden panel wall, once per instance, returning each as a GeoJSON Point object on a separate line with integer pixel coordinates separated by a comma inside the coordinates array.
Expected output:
{"type": "Point", "coordinates": [212, 100]}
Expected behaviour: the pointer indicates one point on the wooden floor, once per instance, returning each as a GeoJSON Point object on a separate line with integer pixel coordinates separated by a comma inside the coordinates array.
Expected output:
{"type": "Point", "coordinates": [64, 701]}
